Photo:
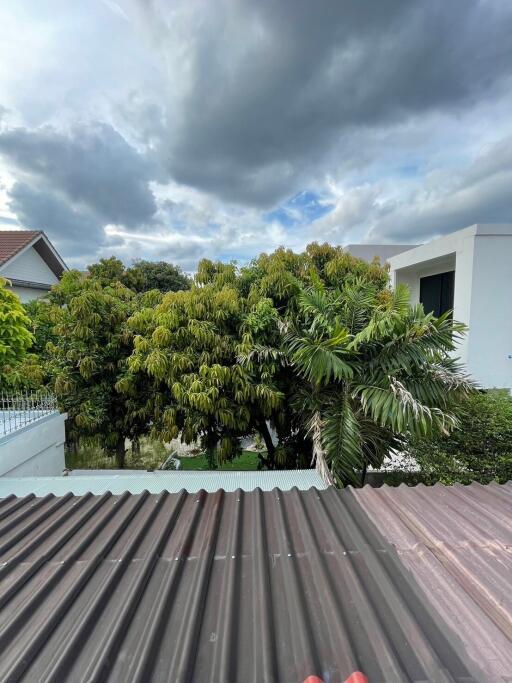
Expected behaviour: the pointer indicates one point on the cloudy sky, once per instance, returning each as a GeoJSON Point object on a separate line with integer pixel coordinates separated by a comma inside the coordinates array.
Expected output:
{"type": "Point", "coordinates": [179, 129]}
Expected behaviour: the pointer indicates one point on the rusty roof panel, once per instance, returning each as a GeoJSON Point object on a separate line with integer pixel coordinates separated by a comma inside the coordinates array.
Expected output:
{"type": "Point", "coordinates": [258, 586]}
{"type": "Point", "coordinates": [457, 542]}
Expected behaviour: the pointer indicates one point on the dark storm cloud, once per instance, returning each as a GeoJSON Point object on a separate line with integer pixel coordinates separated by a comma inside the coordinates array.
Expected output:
{"type": "Point", "coordinates": [75, 232]}
{"type": "Point", "coordinates": [221, 113]}
{"type": "Point", "coordinates": [273, 86]}
{"type": "Point", "coordinates": [92, 166]}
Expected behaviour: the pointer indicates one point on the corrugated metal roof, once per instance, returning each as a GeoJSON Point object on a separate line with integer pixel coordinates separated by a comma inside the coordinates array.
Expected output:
{"type": "Point", "coordinates": [457, 542]}
{"type": "Point", "coordinates": [236, 586]}
{"type": "Point", "coordinates": [157, 481]}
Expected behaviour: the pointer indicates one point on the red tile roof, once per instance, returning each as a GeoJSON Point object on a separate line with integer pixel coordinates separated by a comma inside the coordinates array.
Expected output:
{"type": "Point", "coordinates": [13, 241]}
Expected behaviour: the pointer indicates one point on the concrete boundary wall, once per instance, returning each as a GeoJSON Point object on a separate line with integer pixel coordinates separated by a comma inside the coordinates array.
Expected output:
{"type": "Point", "coordinates": [34, 450]}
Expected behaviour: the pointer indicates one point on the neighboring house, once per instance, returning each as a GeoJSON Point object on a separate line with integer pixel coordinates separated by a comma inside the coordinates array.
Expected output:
{"type": "Point", "coordinates": [383, 252]}
{"type": "Point", "coordinates": [469, 272]}
{"type": "Point", "coordinates": [30, 262]}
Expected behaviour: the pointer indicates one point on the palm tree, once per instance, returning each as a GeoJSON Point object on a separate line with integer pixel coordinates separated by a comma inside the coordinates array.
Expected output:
{"type": "Point", "coordinates": [370, 367]}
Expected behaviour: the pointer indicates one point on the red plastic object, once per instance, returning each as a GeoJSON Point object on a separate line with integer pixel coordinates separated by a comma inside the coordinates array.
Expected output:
{"type": "Point", "coordinates": [357, 677]}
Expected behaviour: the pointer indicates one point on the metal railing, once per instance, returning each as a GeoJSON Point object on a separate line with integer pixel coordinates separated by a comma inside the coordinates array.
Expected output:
{"type": "Point", "coordinates": [22, 408]}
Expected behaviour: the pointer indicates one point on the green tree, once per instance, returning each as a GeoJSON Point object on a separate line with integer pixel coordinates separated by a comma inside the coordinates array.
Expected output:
{"type": "Point", "coordinates": [371, 368]}
{"type": "Point", "coordinates": [107, 270]}
{"type": "Point", "coordinates": [15, 335]}
{"type": "Point", "coordinates": [87, 362]}
{"type": "Point", "coordinates": [188, 345]}
{"type": "Point", "coordinates": [197, 346]}
{"type": "Point", "coordinates": [144, 276]}
{"type": "Point", "coordinates": [480, 449]}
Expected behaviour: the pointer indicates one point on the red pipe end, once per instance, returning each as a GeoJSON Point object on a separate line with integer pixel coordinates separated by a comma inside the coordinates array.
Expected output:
{"type": "Point", "coordinates": [357, 677]}
{"type": "Point", "coordinates": [313, 679]}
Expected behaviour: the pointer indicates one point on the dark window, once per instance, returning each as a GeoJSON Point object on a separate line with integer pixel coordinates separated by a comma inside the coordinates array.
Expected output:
{"type": "Point", "coordinates": [436, 293]}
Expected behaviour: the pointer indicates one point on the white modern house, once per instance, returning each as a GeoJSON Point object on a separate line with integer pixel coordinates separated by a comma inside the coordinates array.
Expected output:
{"type": "Point", "coordinates": [469, 272]}
{"type": "Point", "coordinates": [30, 262]}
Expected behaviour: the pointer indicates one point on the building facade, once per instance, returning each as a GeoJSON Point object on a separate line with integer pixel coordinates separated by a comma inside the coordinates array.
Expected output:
{"type": "Point", "coordinates": [470, 273]}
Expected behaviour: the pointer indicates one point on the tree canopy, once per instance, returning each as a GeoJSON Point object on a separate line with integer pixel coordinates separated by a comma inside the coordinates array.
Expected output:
{"type": "Point", "coordinates": [87, 361]}
{"type": "Point", "coordinates": [292, 341]}
{"type": "Point", "coordinates": [300, 348]}
{"type": "Point", "coordinates": [142, 276]}
{"type": "Point", "coordinates": [370, 369]}
{"type": "Point", "coordinates": [15, 335]}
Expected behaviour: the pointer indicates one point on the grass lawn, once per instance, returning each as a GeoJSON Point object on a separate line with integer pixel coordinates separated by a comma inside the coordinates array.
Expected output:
{"type": "Point", "coordinates": [90, 456]}
{"type": "Point", "coordinates": [152, 455]}
{"type": "Point", "coordinates": [247, 461]}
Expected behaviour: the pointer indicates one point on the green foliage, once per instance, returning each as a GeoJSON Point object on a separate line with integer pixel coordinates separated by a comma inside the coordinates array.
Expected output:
{"type": "Point", "coordinates": [87, 361]}
{"type": "Point", "coordinates": [149, 454]}
{"type": "Point", "coordinates": [107, 270]}
{"type": "Point", "coordinates": [187, 345]}
{"type": "Point", "coordinates": [15, 335]}
{"type": "Point", "coordinates": [372, 368]}
{"type": "Point", "coordinates": [247, 461]}
{"type": "Point", "coordinates": [143, 276]}
{"type": "Point", "coordinates": [479, 449]}
{"type": "Point", "coordinates": [216, 358]}
{"type": "Point", "coordinates": [271, 348]}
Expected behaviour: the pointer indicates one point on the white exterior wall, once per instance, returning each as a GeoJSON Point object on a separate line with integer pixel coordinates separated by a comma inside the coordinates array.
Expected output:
{"type": "Point", "coordinates": [490, 338]}
{"type": "Point", "coordinates": [35, 450]}
{"type": "Point", "coordinates": [27, 294]}
{"type": "Point", "coordinates": [29, 266]}
{"type": "Point", "coordinates": [481, 256]}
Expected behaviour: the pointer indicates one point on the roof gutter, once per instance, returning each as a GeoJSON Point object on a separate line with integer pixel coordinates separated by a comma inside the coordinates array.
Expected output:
{"type": "Point", "coordinates": [27, 283]}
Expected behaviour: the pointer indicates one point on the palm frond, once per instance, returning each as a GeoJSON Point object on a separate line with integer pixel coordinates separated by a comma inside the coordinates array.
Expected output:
{"type": "Point", "coordinates": [341, 439]}
{"type": "Point", "coordinates": [320, 360]}
{"type": "Point", "coordinates": [396, 408]}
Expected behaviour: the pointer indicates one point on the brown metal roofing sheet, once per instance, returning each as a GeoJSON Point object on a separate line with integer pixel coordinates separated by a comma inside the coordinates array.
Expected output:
{"type": "Point", "coordinates": [237, 586]}
{"type": "Point", "coordinates": [457, 542]}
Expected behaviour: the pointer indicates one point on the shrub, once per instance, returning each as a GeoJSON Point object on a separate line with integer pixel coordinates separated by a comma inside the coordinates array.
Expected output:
{"type": "Point", "coordinates": [479, 450]}
{"type": "Point", "coordinates": [15, 335]}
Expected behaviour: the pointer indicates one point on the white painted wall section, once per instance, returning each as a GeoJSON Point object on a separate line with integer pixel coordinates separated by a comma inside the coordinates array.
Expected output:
{"type": "Point", "coordinates": [490, 323]}
{"type": "Point", "coordinates": [29, 266]}
{"type": "Point", "coordinates": [35, 450]}
{"type": "Point", "coordinates": [27, 294]}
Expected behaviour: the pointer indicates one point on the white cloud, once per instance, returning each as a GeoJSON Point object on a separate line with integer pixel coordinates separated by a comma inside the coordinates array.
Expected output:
{"type": "Point", "coordinates": [150, 129]}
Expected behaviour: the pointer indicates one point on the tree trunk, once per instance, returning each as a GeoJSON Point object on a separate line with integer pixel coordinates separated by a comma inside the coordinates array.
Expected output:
{"type": "Point", "coordinates": [120, 453]}
{"type": "Point", "coordinates": [318, 452]}
{"type": "Point", "coordinates": [363, 471]}
{"type": "Point", "coordinates": [271, 449]}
